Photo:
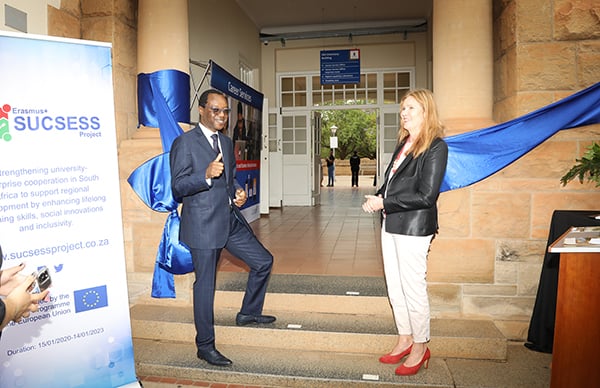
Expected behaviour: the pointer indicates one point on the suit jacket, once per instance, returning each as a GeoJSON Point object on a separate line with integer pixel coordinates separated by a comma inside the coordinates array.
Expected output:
{"type": "Point", "coordinates": [205, 215]}
{"type": "Point", "coordinates": [410, 203]}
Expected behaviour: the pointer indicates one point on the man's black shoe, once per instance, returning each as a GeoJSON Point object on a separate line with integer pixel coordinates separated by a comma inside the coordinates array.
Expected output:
{"type": "Point", "coordinates": [245, 319]}
{"type": "Point", "coordinates": [213, 357]}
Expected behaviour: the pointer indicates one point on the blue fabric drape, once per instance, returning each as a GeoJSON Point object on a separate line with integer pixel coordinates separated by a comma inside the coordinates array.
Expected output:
{"type": "Point", "coordinates": [152, 183]}
{"type": "Point", "coordinates": [148, 181]}
{"type": "Point", "coordinates": [152, 180]}
{"type": "Point", "coordinates": [163, 99]}
{"type": "Point", "coordinates": [476, 155]}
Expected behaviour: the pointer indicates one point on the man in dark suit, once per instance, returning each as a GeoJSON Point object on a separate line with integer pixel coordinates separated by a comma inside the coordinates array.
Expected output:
{"type": "Point", "coordinates": [203, 168]}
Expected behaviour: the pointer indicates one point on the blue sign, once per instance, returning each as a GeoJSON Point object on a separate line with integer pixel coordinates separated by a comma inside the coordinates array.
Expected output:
{"type": "Point", "coordinates": [340, 66]}
{"type": "Point", "coordinates": [228, 84]}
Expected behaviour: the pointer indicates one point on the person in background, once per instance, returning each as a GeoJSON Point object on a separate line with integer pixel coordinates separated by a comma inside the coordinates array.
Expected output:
{"type": "Point", "coordinates": [407, 201]}
{"type": "Point", "coordinates": [239, 135]}
{"type": "Point", "coordinates": [17, 302]}
{"type": "Point", "coordinates": [330, 169]}
{"type": "Point", "coordinates": [203, 169]}
{"type": "Point", "coordinates": [239, 132]}
{"type": "Point", "coordinates": [354, 168]}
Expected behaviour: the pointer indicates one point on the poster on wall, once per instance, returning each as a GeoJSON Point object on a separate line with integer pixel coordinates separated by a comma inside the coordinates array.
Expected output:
{"type": "Point", "coordinates": [245, 129]}
{"type": "Point", "coordinates": [60, 207]}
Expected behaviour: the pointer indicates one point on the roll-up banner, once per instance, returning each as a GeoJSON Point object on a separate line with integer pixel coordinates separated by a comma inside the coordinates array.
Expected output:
{"type": "Point", "coordinates": [245, 129]}
{"type": "Point", "coordinates": [60, 207]}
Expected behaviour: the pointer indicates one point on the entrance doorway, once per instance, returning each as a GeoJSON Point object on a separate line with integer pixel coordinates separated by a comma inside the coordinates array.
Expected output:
{"type": "Point", "coordinates": [293, 134]}
{"type": "Point", "coordinates": [344, 132]}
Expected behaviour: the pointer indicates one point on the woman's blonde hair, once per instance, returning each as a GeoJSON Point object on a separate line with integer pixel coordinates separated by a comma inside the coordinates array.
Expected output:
{"type": "Point", "coordinates": [432, 125]}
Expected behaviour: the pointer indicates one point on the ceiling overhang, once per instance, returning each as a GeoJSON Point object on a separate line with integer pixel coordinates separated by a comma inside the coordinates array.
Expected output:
{"type": "Point", "coordinates": [315, 31]}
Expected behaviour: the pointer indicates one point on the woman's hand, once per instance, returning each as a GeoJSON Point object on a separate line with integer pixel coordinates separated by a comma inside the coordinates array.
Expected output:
{"type": "Point", "coordinates": [373, 203]}
{"type": "Point", "coordinates": [20, 302]}
{"type": "Point", "coordinates": [11, 278]}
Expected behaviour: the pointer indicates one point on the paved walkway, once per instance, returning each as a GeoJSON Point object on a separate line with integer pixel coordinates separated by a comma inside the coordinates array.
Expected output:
{"type": "Point", "coordinates": [334, 238]}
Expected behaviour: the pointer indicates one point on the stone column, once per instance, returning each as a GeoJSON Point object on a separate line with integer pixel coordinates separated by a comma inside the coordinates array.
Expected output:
{"type": "Point", "coordinates": [162, 41]}
{"type": "Point", "coordinates": [162, 44]}
{"type": "Point", "coordinates": [463, 66]}
{"type": "Point", "coordinates": [163, 37]}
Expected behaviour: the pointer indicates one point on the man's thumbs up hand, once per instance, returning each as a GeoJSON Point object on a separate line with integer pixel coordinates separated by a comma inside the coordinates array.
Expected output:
{"type": "Point", "coordinates": [215, 168]}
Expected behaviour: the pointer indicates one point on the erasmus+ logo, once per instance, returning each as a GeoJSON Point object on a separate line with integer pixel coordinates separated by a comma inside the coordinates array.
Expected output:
{"type": "Point", "coordinates": [35, 120]}
{"type": "Point", "coordinates": [4, 128]}
{"type": "Point", "coordinates": [90, 299]}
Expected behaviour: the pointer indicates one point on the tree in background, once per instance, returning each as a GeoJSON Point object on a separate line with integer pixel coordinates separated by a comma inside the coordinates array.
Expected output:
{"type": "Point", "coordinates": [357, 130]}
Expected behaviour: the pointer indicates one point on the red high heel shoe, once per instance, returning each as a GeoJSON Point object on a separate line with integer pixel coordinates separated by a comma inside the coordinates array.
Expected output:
{"type": "Point", "coordinates": [404, 370]}
{"type": "Point", "coordinates": [394, 358]}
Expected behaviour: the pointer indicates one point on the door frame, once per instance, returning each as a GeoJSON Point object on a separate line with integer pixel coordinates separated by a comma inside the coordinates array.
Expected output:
{"type": "Point", "coordinates": [281, 165]}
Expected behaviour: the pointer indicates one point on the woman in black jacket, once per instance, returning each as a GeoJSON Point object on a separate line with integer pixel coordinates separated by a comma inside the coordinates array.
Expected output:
{"type": "Point", "coordinates": [407, 201]}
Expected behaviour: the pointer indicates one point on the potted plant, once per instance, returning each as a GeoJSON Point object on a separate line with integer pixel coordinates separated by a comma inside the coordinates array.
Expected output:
{"type": "Point", "coordinates": [587, 167]}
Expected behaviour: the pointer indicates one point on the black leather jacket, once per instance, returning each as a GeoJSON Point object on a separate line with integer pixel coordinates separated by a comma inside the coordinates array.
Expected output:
{"type": "Point", "coordinates": [410, 195]}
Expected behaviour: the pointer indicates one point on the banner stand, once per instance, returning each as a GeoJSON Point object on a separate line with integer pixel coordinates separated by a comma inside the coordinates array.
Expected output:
{"type": "Point", "coordinates": [60, 207]}
{"type": "Point", "coordinates": [245, 129]}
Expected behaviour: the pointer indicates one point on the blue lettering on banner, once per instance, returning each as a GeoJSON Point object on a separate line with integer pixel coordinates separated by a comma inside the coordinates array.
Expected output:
{"type": "Point", "coordinates": [90, 298]}
{"type": "Point", "coordinates": [222, 80]}
{"type": "Point", "coordinates": [48, 123]}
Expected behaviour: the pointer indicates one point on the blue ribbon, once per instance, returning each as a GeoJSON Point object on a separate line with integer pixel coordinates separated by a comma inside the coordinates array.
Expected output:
{"type": "Point", "coordinates": [171, 86]}
{"type": "Point", "coordinates": [476, 155]}
{"type": "Point", "coordinates": [152, 180]}
{"type": "Point", "coordinates": [163, 99]}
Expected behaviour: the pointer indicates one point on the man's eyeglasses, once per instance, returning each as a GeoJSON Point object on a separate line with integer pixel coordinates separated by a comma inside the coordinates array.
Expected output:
{"type": "Point", "coordinates": [217, 111]}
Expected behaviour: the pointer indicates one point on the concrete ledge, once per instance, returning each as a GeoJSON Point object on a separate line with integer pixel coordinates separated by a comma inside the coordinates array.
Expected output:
{"type": "Point", "coordinates": [280, 367]}
{"type": "Point", "coordinates": [274, 367]}
{"type": "Point", "coordinates": [308, 284]}
{"type": "Point", "coordinates": [335, 304]}
{"type": "Point", "coordinates": [347, 333]}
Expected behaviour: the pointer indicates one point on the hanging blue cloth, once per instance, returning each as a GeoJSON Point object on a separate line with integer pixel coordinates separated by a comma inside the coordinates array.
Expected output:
{"type": "Point", "coordinates": [476, 155]}
{"type": "Point", "coordinates": [163, 99]}
{"type": "Point", "coordinates": [152, 180]}
{"type": "Point", "coordinates": [152, 183]}
{"type": "Point", "coordinates": [149, 183]}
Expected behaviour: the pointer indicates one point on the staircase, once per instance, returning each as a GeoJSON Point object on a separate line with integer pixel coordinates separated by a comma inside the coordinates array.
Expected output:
{"type": "Point", "coordinates": [329, 332]}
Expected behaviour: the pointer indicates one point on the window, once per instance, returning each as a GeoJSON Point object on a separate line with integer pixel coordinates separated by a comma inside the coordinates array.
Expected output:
{"type": "Point", "coordinates": [293, 92]}
{"type": "Point", "coordinates": [294, 140]}
{"type": "Point", "coordinates": [374, 87]}
{"type": "Point", "coordinates": [246, 74]}
{"type": "Point", "coordinates": [272, 132]}
{"type": "Point", "coordinates": [365, 92]}
{"type": "Point", "coordinates": [395, 85]}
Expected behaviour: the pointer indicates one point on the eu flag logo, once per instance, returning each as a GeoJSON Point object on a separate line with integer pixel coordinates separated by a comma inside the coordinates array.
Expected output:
{"type": "Point", "coordinates": [90, 299]}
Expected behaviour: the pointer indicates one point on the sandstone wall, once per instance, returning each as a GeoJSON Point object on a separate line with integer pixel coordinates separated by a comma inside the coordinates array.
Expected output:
{"type": "Point", "coordinates": [115, 22]}
{"type": "Point", "coordinates": [487, 258]}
